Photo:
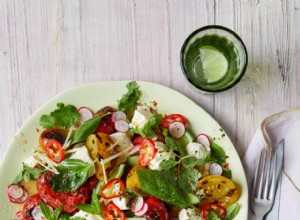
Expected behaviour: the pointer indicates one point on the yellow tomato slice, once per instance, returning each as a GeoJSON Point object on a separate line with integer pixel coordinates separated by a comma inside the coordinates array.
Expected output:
{"type": "Point", "coordinates": [218, 189]}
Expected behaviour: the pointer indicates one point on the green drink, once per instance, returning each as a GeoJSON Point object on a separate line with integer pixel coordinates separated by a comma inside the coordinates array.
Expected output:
{"type": "Point", "coordinates": [213, 58]}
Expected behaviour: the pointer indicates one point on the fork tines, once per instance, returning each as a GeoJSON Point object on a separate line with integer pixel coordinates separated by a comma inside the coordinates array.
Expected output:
{"type": "Point", "coordinates": [264, 181]}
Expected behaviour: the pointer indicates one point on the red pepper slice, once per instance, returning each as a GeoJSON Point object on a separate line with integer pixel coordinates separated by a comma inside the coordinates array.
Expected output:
{"type": "Point", "coordinates": [147, 152]}
{"type": "Point", "coordinates": [212, 207]}
{"type": "Point", "coordinates": [112, 212]}
{"type": "Point", "coordinates": [55, 150]}
{"type": "Point", "coordinates": [113, 189]}
{"type": "Point", "coordinates": [167, 120]}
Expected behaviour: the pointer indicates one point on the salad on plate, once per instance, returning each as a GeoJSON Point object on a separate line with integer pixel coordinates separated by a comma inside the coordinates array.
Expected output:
{"type": "Point", "coordinates": [128, 162]}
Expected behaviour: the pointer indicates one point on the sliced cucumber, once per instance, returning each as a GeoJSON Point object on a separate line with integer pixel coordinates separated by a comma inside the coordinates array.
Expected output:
{"type": "Point", "coordinates": [226, 172]}
{"type": "Point", "coordinates": [193, 199]}
{"type": "Point", "coordinates": [117, 172]}
{"type": "Point", "coordinates": [183, 142]}
{"type": "Point", "coordinates": [133, 160]}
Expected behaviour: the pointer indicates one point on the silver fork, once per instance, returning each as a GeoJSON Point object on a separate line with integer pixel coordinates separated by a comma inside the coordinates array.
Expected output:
{"type": "Point", "coordinates": [264, 185]}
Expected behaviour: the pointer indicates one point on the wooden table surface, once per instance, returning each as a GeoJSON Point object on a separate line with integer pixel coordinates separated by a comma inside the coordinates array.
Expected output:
{"type": "Point", "coordinates": [49, 46]}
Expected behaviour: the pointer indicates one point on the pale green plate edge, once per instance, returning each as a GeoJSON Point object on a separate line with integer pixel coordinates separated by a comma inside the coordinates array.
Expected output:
{"type": "Point", "coordinates": [97, 95]}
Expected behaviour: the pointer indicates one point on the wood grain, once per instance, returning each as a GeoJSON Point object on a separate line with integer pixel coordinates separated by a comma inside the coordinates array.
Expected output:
{"type": "Point", "coordinates": [49, 46]}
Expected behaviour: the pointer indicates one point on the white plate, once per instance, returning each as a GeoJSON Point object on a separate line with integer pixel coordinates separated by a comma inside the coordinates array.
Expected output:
{"type": "Point", "coordinates": [103, 94]}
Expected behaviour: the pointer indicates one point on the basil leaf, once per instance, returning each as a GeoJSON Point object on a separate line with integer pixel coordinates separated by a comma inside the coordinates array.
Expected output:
{"type": "Point", "coordinates": [87, 128]}
{"type": "Point", "coordinates": [167, 164]}
{"type": "Point", "coordinates": [217, 153]}
{"type": "Point", "coordinates": [232, 211]}
{"type": "Point", "coordinates": [189, 161]}
{"type": "Point", "coordinates": [27, 174]}
{"type": "Point", "coordinates": [48, 213]}
{"type": "Point", "coordinates": [129, 100]}
{"type": "Point", "coordinates": [63, 115]}
{"type": "Point", "coordinates": [88, 208]}
{"type": "Point", "coordinates": [73, 173]}
{"type": "Point", "coordinates": [93, 208]}
{"type": "Point", "coordinates": [188, 179]}
{"type": "Point", "coordinates": [64, 216]}
{"type": "Point", "coordinates": [163, 185]}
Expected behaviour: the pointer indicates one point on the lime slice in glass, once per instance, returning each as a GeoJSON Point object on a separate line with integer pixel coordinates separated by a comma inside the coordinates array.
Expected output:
{"type": "Point", "coordinates": [211, 65]}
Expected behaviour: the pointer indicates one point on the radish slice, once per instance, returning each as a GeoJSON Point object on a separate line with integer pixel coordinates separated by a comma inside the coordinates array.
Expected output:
{"type": "Point", "coordinates": [177, 129]}
{"type": "Point", "coordinates": [142, 211]}
{"type": "Point", "coordinates": [23, 198]}
{"type": "Point", "coordinates": [215, 169]}
{"type": "Point", "coordinates": [121, 126]}
{"type": "Point", "coordinates": [85, 114]}
{"type": "Point", "coordinates": [15, 191]}
{"type": "Point", "coordinates": [138, 204]}
{"type": "Point", "coordinates": [37, 213]}
{"type": "Point", "coordinates": [204, 140]}
{"type": "Point", "coordinates": [117, 116]}
{"type": "Point", "coordinates": [19, 216]}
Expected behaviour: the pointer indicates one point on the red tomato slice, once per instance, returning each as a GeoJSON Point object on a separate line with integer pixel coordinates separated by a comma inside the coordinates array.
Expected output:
{"type": "Point", "coordinates": [106, 125]}
{"type": "Point", "coordinates": [167, 120]}
{"type": "Point", "coordinates": [147, 152]}
{"type": "Point", "coordinates": [212, 207]}
{"type": "Point", "coordinates": [29, 205]}
{"type": "Point", "coordinates": [113, 189]}
{"type": "Point", "coordinates": [137, 140]}
{"type": "Point", "coordinates": [55, 199]}
{"type": "Point", "coordinates": [55, 150]}
{"type": "Point", "coordinates": [156, 209]}
{"type": "Point", "coordinates": [112, 212]}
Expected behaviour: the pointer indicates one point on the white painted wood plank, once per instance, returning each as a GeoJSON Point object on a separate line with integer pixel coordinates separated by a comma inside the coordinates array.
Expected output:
{"type": "Point", "coordinates": [49, 46]}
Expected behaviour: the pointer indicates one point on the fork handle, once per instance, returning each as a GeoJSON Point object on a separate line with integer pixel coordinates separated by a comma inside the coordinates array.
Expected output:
{"type": "Point", "coordinates": [260, 216]}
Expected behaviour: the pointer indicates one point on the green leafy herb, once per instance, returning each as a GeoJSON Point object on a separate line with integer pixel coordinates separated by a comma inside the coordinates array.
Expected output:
{"type": "Point", "coordinates": [182, 142]}
{"type": "Point", "coordinates": [28, 174]}
{"type": "Point", "coordinates": [188, 179]}
{"type": "Point", "coordinates": [163, 185]}
{"type": "Point", "coordinates": [72, 174]}
{"type": "Point", "coordinates": [149, 128]}
{"type": "Point", "coordinates": [129, 100]}
{"type": "Point", "coordinates": [87, 128]}
{"type": "Point", "coordinates": [78, 218]}
{"type": "Point", "coordinates": [171, 144]}
{"type": "Point", "coordinates": [212, 216]}
{"type": "Point", "coordinates": [232, 211]}
{"type": "Point", "coordinates": [93, 208]}
{"type": "Point", "coordinates": [167, 164]}
{"type": "Point", "coordinates": [63, 115]}
{"type": "Point", "coordinates": [217, 153]}
{"type": "Point", "coordinates": [65, 216]}
{"type": "Point", "coordinates": [48, 213]}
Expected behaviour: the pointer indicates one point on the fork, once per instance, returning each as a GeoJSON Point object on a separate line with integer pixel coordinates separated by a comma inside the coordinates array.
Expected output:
{"type": "Point", "coordinates": [264, 185]}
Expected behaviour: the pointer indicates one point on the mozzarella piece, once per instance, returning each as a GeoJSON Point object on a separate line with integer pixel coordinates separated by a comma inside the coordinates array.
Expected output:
{"type": "Point", "coordinates": [30, 162]}
{"type": "Point", "coordinates": [141, 116]}
{"type": "Point", "coordinates": [189, 214]}
{"type": "Point", "coordinates": [82, 153]}
{"type": "Point", "coordinates": [161, 155]}
{"type": "Point", "coordinates": [121, 139]}
{"type": "Point", "coordinates": [198, 150]}
{"type": "Point", "coordinates": [121, 202]}
{"type": "Point", "coordinates": [86, 216]}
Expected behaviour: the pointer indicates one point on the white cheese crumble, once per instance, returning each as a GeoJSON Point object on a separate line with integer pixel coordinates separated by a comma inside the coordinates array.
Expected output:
{"type": "Point", "coordinates": [198, 150]}
{"type": "Point", "coordinates": [121, 139]}
{"type": "Point", "coordinates": [86, 216]}
{"type": "Point", "coordinates": [121, 202]}
{"type": "Point", "coordinates": [161, 155]}
{"type": "Point", "coordinates": [141, 116]}
{"type": "Point", "coordinates": [189, 214]}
